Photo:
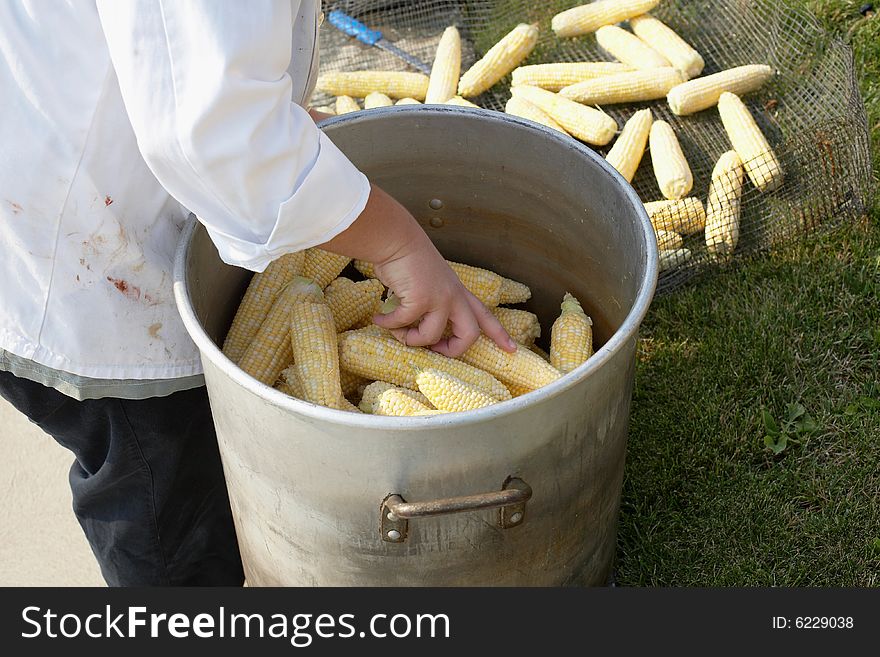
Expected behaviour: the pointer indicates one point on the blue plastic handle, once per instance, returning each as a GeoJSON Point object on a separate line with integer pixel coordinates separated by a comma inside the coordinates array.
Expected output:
{"type": "Point", "coordinates": [353, 28]}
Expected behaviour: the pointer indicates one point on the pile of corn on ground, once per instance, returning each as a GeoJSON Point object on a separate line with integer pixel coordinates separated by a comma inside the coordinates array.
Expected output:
{"type": "Point", "coordinates": [653, 64]}
{"type": "Point", "coordinates": [306, 330]}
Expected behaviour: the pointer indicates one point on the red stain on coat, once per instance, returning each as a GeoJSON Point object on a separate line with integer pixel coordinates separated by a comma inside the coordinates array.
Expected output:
{"type": "Point", "coordinates": [16, 208]}
{"type": "Point", "coordinates": [129, 291]}
{"type": "Point", "coordinates": [107, 200]}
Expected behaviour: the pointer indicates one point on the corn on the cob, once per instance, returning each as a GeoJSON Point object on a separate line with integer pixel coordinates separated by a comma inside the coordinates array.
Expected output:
{"type": "Point", "coordinates": [451, 394]}
{"type": "Point", "coordinates": [571, 337]}
{"type": "Point", "coordinates": [668, 240]}
{"type": "Point", "coordinates": [526, 110]}
{"type": "Point", "coordinates": [385, 359]}
{"type": "Point", "coordinates": [359, 84]}
{"type": "Point", "coordinates": [499, 60]}
{"type": "Point", "coordinates": [376, 388]}
{"type": "Point", "coordinates": [408, 101]}
{"type": "Point", "coordinates": [522, 367]}
{"type": "Point", "coordinates": [518, 391]}
{"type": "Point", "coordinates": [627, 152]}
{"type": "Point", "coordinates": [351, 303]}
{"type": "Point", "coordinates": [590, 17]}
{"type": "Point", "coordinates": [543, 354]}
{"type": "Point", "coordinates": [664, 40]}
{"type": "Point", "coordinates": [695, 95]}
{"type": "Point", "coordinates": [315, 354]}
{"type": "Point", "coordinates": [258, 299]}
{"type": "Point", "coordinates": [514, 292]}
{"type": "Point", "coordinates": [270, 350]}
{"type": "Point", "coordinates": [377, 99]}
{"type": "Point", "coordinates": [671, 168]}
{"type": "Point", "coordinates": [723, 206]}
{"type": "Point", "coordinates": [584, 123]}
{"type": "Point", "coordinates": [323, 266]}
{"type": "Point", "coordinates": [396, 404]}
{"type": "Point", "coordinates": [289, 383]}
{"type": "Point", "coordinates": [443, 83]}
{"type": "Point", "coordinates": [461, 102]}
{"type": "Point", "coordinates": [684, 216]}
{"type": "Point", "coordinates": [628, 48]}
{"type": "Point", "coordinates": [759, 160]}
{"type": "Point", "coordinates": [674, 258]}
{"type": "Point", "coordinates": [554, 77]}
{"type": "Point", "coordinates": [630, 87]}
{"type": "Point", "coordinates": [346, 105]}
{"type": "Point", "coordinates": [521, 325]}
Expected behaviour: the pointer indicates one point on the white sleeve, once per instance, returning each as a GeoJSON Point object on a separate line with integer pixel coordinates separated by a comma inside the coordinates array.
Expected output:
{"type": "Point", "coordinates": [206, 88]}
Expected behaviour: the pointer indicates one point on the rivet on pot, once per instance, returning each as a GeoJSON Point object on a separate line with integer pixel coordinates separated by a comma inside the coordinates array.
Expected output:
{"type": "Point", "coordinates": [515, 518]}
{"type": "Point", "coordinates": [436, 222]}
{"type": "Point", "coordinates": [391, 516]}
{"type": "Point", "coordinates": [394, 535]}
{"type": "Point", "coordinates": [435, 204]}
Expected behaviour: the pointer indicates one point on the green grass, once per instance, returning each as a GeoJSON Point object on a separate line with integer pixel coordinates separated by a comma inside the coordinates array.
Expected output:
{"type": "Point", "coordinates": [705, 501]}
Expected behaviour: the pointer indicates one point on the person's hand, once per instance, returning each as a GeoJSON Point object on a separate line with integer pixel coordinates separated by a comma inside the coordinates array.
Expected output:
{"type": "Point", "coordinates": [431, 295]}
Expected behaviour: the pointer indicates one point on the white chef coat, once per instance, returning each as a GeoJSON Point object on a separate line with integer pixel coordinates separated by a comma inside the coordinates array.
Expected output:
{"type": "Point", "coordinates": [116, 118]}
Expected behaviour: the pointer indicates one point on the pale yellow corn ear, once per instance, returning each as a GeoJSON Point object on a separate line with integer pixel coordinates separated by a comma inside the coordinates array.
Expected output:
{"type": "Point", "coordinates": [443, 83]}
{"type": "Point", "coordinates": [451, 394]}
{"type": "Point", "coordinates": [377, 99]}
{"type": "Point", "coordinates": [582, 122]}
{"type": "Point", "coordinates": [323, 266]}
{"type": "Point", "coordinates": [671, 168]}
{"type": "Point", "coordinates": [538, 350]}
{"type": "Point", "coordinates": [556, 76]}
{"type": "Point", "coordinates": [408, 101]}
{"type": "Point", "coordinates": [589, 17]}
{"type": "Point", "coordinates": [723, 205]}
{"type": "Point", "coordinates": [315, 353]}
{"type": "Point", "coordinates": [289, 383]}
{"type": "Point", "coordinates": [526, 110]}
{"type": "Point", "coordinates": [684, 216]}
{"type": "Point", "coordinates": [257, 301]}
{"type": "Point", "coordinates": [499, 60]}
{"type": "Point", "coordinates": [571, 337]}
{"type": "Point", "coordinates": [664, 40]}
{"type": "Point", "coordinates": [461, 102]}
{"type": "Point", "coordinates": [628, 48]}
{"type": "Point", "coordinates": [359, 84]}
{"type": "Point", "coordinates": [382, 358]}
{"type": "Point", "coordinates": [521, 325]}
{"type": "Point", "coordinates": [630, 87]}
{"type": "Point", "coordinates": [627, 152]}
{"type": "Point", "coordinates": [758, 158]}
{"type": "Point", "coordinates": [674, 258]}
{"type": "Point", "coordinates": [518, 391]}
{"type": "Point", "coordinates": [353, 304]}
{"type": "Point", "coordinates": [376, 388]}
{"type": "Point", "coordinates": [702, 93]}
{"type": "Point", "coordinates": [522, 367]}
{"type": "Point", "coordinates": [270, 351]}
{"type": "Point", "coordinates": [668, 240]}
{"type": "Point", "coordinates": [395, 403]}
{"type": "Point", "coordinates": [514, 292]}
{"type": "Point", "coordinates": [346, 105]}
{"type": "Point", "coordinates": [326, 109]}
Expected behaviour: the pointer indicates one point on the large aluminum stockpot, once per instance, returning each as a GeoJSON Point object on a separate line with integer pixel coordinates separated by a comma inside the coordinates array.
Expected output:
{"type": "Point", "coordinates": [536, 480]}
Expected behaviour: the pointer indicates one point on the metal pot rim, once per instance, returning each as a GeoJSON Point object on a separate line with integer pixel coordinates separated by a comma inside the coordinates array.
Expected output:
{"type": "Point", "coordinates": [627, 330]}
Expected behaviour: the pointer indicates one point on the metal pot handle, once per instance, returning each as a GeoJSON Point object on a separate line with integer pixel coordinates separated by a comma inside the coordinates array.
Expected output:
{"type": "Point", "coordinates": [395, 512]}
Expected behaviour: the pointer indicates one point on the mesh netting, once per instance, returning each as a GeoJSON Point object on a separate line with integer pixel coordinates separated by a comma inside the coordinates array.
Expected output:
{"type": "Point", "coordinates": [811, 112]}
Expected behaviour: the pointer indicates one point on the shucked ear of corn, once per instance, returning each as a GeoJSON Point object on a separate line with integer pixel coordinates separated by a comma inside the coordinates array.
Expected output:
{"type": "Point", "coordinates": [590, 17]}
{"type": "Point", "coordinates": [627, 152]}
{"type": "Point", "coordinates": [360, 84]}
{"type": "Point", "coordinates": [629, 49]}
{"type": "Point", "coordinates": [671, 168]}
{"type": "Point", "coordinates": [665, 41]}
{"type": "Point", "coordinates": [571, 338]}
{"type": "Point", "coordinates": [723, 206]}
{"type": "Point", "coordinates": [749, 142]}
{"type": "Point", "coordinates": [582, 122]}
{"type": "Point", "coordinates": [450, 394]}
{"type": "Point", "coordinates": [500, 60]}
{"type": "Point", "coordinates": [628, 87]}
{"type": "Point", "coordinates": [684, 216]}
{"type": "Point", "coordinates": [554, 77]}
{"type": "Point", "coordinates": [526, 110]}
{"type": "Point", "coordinates": [702, 93]}
{"type": "Point", "coordinates": [446, 70]}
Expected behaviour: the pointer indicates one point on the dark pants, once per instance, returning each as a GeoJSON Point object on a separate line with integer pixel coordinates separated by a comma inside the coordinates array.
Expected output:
{"type": "Point", "coordinates": [147, 484]}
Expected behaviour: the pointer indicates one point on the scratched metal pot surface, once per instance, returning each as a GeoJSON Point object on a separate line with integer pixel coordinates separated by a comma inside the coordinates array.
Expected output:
{"type": "Point", "coordinates": [314, 490]}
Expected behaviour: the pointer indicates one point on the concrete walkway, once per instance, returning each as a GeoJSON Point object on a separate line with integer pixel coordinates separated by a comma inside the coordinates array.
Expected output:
{"type": "Point", "coordinates": [41, 543]}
